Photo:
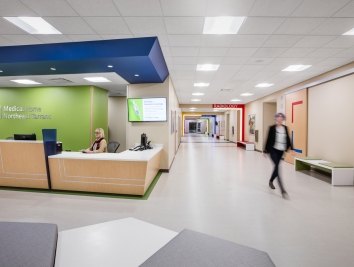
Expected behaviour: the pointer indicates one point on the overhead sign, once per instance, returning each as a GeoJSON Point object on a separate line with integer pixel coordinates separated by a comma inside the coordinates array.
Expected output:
{"type": "Point", "coordinates": [228, 105]}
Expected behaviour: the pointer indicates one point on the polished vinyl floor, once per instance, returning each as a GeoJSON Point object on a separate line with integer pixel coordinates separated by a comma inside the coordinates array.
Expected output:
{"type": "Point", "coordinates": [221, 190]}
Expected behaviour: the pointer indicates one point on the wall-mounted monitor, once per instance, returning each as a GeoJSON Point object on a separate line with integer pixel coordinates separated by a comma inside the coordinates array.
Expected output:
{"type": "Point", "coordinates": [25, 137]}
{"type": "Point", "coordinates": [147, 109]}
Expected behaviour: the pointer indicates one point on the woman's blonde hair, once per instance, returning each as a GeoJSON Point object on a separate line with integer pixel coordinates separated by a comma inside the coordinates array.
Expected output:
{"type": "Point", "coordinates": [101, 131]}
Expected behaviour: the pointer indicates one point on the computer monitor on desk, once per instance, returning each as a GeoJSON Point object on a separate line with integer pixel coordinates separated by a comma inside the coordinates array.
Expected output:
{"type": "Point", "coordinates": [25, 137]}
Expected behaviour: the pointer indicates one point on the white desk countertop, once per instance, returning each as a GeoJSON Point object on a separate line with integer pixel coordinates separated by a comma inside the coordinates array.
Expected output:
{"type": "Point", "coordinates": [123, 156]}
{"type": "Point", "coordinates": [21, 141]}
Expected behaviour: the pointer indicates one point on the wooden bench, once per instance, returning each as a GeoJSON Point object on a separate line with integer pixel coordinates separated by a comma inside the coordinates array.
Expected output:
{"type": "Point", "coordinates": [341, 174]}
{"type": "Point", "coordinates": [245, 145]}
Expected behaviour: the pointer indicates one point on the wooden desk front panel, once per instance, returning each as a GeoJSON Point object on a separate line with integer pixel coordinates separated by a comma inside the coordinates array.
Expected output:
{"type": "Point", "coordinates": [103, 176]}
{"type": "Point", "coordinates": [22, 165]}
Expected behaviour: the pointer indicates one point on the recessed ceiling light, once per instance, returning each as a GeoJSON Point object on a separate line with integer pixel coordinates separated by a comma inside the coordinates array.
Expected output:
{"type": "Point", "coordinates": [52, 68]}
{"type": "Point", "coordinates": [264, 85]}
{"type": "Point", "coordinates": [235, 100]}
{"type": "Point", "coordinates": [247, 94]}
{"type": "Point", "coordinates": [33, 25]}
{"type": "Point", "coordinates": [222, 25]}
{"type": "Point", "coordinates": [296, 67]}
{"type": "Point", "coordinates": [195, 100]}
{"type": "Point", "coordinates": [350, 32]}
{"type": "Point", "coordinates": [198, 94]}
{"type": "Point", "coordinates": [201, 84]}
{"type": "Point", "coordinates": [97, 79]}
{"type": "Point", "coordinates": [110, 66]}
{"type": "Point", "coordinates": [136, 75]}
{"type": "Point", "coordinates": [1, 71]}
{"type": "Point", "coordinates": [216, 110]}
{"type": "Point", "coordinates": [208, 67]}
{"type": "Point", "coordinates": [192, 108]}
{"type": "Point", "coordinates": [25, 81]}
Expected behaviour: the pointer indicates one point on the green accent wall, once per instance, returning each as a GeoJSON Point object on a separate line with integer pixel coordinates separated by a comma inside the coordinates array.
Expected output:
{"type": "Point", "coordinates": [67, 109]}
{"type": "Point", "coordinates": [100, 110]}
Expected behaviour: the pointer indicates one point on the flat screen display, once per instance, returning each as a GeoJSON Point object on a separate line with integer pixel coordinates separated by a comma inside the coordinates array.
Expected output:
{"type": "Point", "coordinates": [147, 109]}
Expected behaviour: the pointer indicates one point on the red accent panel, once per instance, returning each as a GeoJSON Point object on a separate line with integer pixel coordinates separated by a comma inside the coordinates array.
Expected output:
{"type": "Point", "coordinates": [292, 109]}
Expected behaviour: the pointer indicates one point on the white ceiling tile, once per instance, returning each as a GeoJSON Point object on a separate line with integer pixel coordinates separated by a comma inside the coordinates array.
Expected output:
{"type": "Point", "coordinates": [183, 67]}
{"type": "Point", "coordinates": [14, 8]}
{"type": "Point", "coordinates": [281, 40]}
{"type": "Point", "coordinates": [166, 51]}
{"type": "Point", "coordinates": [184, 51]}
{"type": "Point", "coordinates": [269, 51]}
{"type": "Point", "coordinates": [94, 8]}
{"type": "Point", "coordinates": [229, 60]}
{"type": "Point", "coordinates": [86, 37]}
{"type": "Point", "coordinates": [314, 41]}
{"type": "Point", "coordinates": [53, 38]}
{"type": "Point", "coordinates": [182, 74]}
{"type": "Point", "coordinates": [70, 25]}
{"type": "Point", "coordinates": [209, 60]}
{"type": "Point", "coordinates": [114, 36]}
{"type": "Point", "coordinates": [259, 61]}
{"type": "Point", "coordinates": [184, 25]}
{"type": "Point", "coordinates": [139, 7]}
{"type": "Point", "coordinates": [184, 40]}
{"type": "Point", "coordinates": [216, 40]}
{"type": "Point", "coordinates": [341, 42]}
{"type": "Point", "coordinates": [146, 25]}
{"type": "Point", "coordinates": [229, 7]}
{"type": "Point", "coordinates": [254, 25]}
{"type": "Point", "coordinates": [346, 12]}
{"type": "Point", "coordinates": [334, 26]}
{"type": "Point", "coordinates": [299, 25]}
{"type": "Point", "coordinates": [319, 8]}
{"type": "Point", "coordinates": [108, 25]}
{"type": "Point", "coordinates": [248, 40]}
{"type": "Point", "coordinates": [51, 8]}
{"type": "Point", "coordinates": [297, 52]}
{"type": "Point", "coordinates": [213, 51]}
{"type": "Point", "coordinates": [184, 60]}
{"type": "Point", "coordinates": [241, 51]}
{"type": "Point", "coordinates": [346, 53]}
{"type": "Point", "coordinates": [22, 39]}
{"type": "Point", "coordinates": [274, 7]}
{"type": "Point", "coordinates": [325, 52]}
{"type": "Point", "coordinates": [183, 7]}
{"type": "Point", "coordinates": [335, 62]}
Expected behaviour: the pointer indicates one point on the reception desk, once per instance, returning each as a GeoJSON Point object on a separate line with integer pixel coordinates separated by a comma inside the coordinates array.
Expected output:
{"type": "Point", "coordinates": [22, 164]}
{"type": "Point", "coordinates": [129, 172]}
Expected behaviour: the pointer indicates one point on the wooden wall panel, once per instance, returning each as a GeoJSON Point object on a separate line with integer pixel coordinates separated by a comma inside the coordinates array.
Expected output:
{"type": "Point", "coordinates": [296, 113]}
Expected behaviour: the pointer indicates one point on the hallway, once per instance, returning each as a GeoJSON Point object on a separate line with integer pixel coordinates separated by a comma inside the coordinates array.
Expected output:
{"type": "Point", "coordinates": [223, 191]}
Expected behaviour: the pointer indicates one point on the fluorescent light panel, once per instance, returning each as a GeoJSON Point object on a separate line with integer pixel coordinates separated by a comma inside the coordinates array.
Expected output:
{"type": "Point", "coordinates": [97, 79]}
{"type": "Point", "coordinates": [195, 99]}
{"type": "Point", "coordinates": [296, 67]}
{"type": "Point", "coordinates": [33, 25]}
{"type": "Point", "coordinates": [208, 67]}
{"type": "Point", "coordinates": [222, 25]}
{"type": "Point", "coordinates": [201, 84]}
{"type": "Point", "coordinates": [264, 85]}
{"type": "Point", "coordinates": [25, 81]}
{"type": "Point", "coordinates": [247, 94]}
{"type": "Point", "coordinates": [198, 94]}
{"type": "Point", "coordinates": [350, 32]}
{"type": "Point", "coordinates": [235, 100]}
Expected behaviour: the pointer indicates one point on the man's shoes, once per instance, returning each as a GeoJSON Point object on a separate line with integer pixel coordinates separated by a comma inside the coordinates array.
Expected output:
{"type": "Point", "coordinates": [271, 185]}
{"type": "Point", "coordinates": [285, 195]}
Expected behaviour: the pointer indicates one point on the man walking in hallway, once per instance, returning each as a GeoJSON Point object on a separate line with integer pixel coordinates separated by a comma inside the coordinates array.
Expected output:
{"type": "Point", "coordinates": [278, 142]}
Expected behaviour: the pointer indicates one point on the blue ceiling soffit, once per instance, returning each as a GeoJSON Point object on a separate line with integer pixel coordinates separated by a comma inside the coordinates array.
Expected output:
{"type": "Point", "coordinates": [142, 56]}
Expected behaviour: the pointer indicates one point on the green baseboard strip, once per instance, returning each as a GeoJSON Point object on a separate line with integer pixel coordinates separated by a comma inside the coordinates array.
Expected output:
{"type": "Point", "coordinates": [91, 194]}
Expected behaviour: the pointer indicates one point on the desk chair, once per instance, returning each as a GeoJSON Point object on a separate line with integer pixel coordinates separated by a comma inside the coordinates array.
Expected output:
{"type": "Point", "coordinates": [113, 147]}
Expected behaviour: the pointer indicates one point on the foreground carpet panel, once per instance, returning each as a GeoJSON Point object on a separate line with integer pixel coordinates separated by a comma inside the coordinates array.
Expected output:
{"type": "Point", "coordinates": [27, 244]}
{"type": "Point", "coordinates": [195, 249]}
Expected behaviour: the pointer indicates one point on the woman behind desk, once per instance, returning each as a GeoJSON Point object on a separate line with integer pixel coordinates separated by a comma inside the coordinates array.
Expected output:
{"type": "Point", "coordinates": [100, 144]}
